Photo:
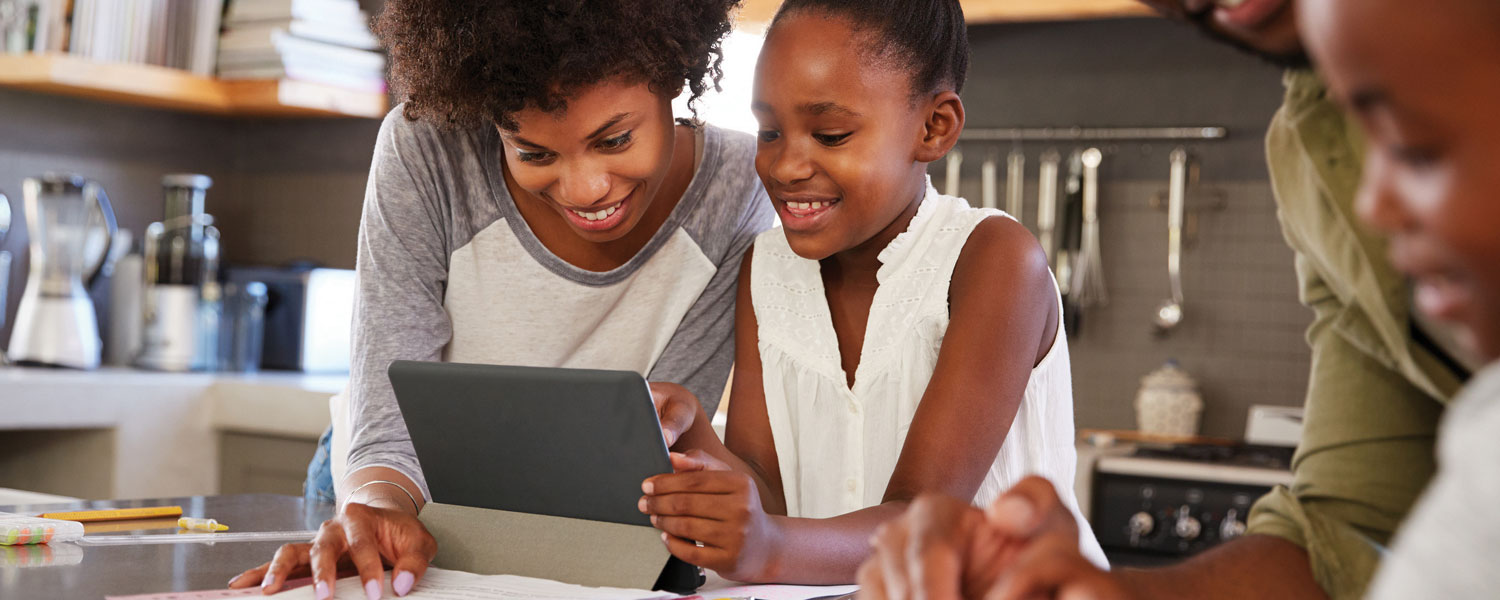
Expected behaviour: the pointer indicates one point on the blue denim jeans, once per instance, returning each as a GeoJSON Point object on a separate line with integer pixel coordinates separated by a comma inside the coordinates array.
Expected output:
{"type": "Point", "coordinates": [319, 484]}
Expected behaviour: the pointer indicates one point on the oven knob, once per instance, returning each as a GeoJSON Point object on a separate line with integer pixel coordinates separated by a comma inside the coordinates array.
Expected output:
{"type": "Point", "coordinates": [1232, 527]}
{"type": "Point", "coordinates": [1186, 527]}
{"type": "Point", "coordinates": [1141, 525]}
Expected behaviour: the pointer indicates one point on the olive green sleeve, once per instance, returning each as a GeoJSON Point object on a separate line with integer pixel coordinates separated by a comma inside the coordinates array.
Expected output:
{"type": "Point", "coordinates": [1365, 456]}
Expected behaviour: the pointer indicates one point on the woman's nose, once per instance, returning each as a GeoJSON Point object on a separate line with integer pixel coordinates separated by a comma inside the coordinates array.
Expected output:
{"type": "Point", "coordinates": [1379, 202]}
{"type": "Point", "coordinates": [583, 186]}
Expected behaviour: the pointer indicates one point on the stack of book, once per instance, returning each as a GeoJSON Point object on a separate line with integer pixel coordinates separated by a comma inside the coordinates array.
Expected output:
{"type": "Point", "coordinates": [323, 42]}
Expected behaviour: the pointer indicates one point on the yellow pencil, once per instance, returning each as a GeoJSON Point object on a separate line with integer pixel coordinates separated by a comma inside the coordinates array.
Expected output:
{"type": "Point", "coordinates": [118, 514]}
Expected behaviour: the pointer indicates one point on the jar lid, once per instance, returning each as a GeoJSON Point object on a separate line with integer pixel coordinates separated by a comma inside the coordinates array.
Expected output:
{"type": "Point", "coordinates": [1169, 375]}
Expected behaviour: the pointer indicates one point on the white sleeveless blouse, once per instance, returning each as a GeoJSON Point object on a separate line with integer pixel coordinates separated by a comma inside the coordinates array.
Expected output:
{"type": "Point", "coordinates": [837, 446]}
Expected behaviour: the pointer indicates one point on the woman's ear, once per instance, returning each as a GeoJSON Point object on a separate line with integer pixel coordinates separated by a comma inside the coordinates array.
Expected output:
{"type": "Point", "coordinates": [944, 123]}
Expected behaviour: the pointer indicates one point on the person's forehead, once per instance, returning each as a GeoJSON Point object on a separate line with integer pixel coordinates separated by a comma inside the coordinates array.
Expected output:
{"type": "Point", "coordinates": [820, 54]}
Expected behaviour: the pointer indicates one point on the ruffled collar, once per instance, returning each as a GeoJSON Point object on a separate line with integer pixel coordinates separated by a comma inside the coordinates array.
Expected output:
{"type": "Point", "coordinates": [896, 252]}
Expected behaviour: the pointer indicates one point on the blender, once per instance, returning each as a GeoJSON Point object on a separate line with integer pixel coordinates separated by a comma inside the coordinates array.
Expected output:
{"type": "Point", "coordinates": [69, 223]}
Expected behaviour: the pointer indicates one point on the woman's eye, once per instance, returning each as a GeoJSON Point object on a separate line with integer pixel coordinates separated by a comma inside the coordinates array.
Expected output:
{"type": "Point", "coordinates": [769, 135]}
{"type": "Point", "coordinates": [532, 157]}
{"type": "Point", "coordinates": [831, 139]}
{"type": "Point", "coordinates": [615, 143]}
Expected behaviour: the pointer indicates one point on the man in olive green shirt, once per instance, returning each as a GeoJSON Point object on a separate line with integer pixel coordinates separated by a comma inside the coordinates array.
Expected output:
{"type": "Point", "coordinates": [1379, 383]}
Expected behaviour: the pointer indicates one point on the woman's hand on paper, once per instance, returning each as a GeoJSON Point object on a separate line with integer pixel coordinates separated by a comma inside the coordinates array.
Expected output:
{"type": "Point", "coordinates": [718, 508]}
{"type": "Point", "coordinates": [364, 537]}
{"type": "Point", "coordinates": [1025, 545]}
{"type": "Point", "coordinates": [676, 407]}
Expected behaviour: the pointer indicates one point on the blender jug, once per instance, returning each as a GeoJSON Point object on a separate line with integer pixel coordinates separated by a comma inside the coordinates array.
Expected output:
{"type": "Point", "coordinates": [69, 223]}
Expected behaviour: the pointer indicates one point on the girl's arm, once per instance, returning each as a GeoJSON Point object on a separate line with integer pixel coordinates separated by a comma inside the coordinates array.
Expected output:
{"type": "Point", "coordinates": [1004, 320]}
{"type": "Point", "coordinates": [748, 447]}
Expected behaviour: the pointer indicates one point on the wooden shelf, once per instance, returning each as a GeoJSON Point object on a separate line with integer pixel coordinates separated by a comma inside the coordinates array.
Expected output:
{"type": "Point", "coordinates": [160, 87]}
{"type": "Point", "coordinates": [758, 13]}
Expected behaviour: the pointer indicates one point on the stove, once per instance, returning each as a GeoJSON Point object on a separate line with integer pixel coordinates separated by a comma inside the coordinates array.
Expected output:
{"type": "Point", "coordinates": [1155, 504]}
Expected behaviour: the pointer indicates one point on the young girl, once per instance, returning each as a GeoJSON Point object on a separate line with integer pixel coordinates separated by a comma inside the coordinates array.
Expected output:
{"type": "Point", "coordinates": [890, 340]}
{"type": "Point", "coordinates": [533, 202]}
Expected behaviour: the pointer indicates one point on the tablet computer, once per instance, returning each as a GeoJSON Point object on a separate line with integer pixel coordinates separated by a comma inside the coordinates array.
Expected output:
{"type": "Point", "coordinates": [549, 441]}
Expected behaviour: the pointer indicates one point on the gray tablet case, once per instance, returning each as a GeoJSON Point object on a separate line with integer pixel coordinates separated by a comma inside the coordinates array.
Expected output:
{"type": "Point", "coordinates": [536, 471]}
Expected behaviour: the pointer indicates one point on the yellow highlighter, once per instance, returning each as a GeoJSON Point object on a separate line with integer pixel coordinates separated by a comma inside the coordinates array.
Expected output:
{"type": "Point", "coordinates": [192, 524]}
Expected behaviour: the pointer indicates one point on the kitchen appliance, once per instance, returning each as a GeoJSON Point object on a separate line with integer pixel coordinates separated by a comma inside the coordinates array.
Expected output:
{"type": "Point", "coordinates": [1153, 504]}
{"type": "Point", "coordinates": [309, 314]}
{"type": "Point", "coordinates": [182, 297]}
{"type": "Point", "coordinates": [69, 222]}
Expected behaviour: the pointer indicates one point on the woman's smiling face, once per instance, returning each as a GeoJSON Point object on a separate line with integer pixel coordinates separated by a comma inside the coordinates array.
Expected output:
{"type": "Point", "coordinates": [840, 135]}
{"type": "Point", "coordinates": [1424, 82]}
{"type": "Point", "coordinates": [600, 162]}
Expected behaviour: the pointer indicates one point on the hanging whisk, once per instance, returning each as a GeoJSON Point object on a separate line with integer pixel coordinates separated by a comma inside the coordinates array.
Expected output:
{"type": "Point", "coordinates": [1088, 287]}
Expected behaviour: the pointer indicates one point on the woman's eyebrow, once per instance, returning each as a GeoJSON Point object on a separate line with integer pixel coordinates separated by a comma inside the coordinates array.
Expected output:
{"type": "Point", "coordinates": [615, 120]}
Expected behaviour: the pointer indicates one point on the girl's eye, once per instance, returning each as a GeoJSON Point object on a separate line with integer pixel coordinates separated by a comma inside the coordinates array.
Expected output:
{"type": "Point", "coordinates": [831, 139]}
{"type": "Point", "coordinates": [615, 143]}
{"type": "Point", "coordinates": [769, 135]}
{"type": "Point", "coordinates": [532, 157]}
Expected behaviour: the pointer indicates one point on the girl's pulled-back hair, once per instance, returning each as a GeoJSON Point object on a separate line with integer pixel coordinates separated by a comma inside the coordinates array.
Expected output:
{"type": "Point", "coordinates": [928, 38]}
{"type": "Point", "coordinates": [466, 63]}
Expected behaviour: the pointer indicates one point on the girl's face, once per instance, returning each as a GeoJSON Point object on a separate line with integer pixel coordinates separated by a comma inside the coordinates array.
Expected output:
{"type": "Point", "coordinates": [599, 162]}
{"type": "Point", "coordinates": [842, 145]}
{"type": "Point", "coordinates": [1424, 82]}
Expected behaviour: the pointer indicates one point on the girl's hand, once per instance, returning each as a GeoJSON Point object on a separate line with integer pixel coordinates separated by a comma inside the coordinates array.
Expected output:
{"type": "Point", "coordinates": [720, 509]}
{"type": "Point", "coordinates": [697, 460]}
{"type": "Point", "coordinates": [676, 407]}
{"type": "Point", "coordinates": [366, 537]}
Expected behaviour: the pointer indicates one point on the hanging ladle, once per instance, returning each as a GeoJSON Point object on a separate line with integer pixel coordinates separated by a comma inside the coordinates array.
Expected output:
{"type": "Point", "coordinates": [1169, 313]}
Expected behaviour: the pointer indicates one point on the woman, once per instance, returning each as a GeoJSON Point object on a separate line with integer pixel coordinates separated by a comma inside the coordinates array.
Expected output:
{"type": "Point", "coordinates": [533, 202]}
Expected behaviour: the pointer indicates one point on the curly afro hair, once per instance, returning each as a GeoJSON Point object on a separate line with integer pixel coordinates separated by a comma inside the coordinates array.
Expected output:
{"type": "Point", "coordinates": [467, 63]}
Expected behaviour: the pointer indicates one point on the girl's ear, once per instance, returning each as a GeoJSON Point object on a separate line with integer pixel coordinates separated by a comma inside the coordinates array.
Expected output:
{"type": "Point", "coordinates": [945, 121]}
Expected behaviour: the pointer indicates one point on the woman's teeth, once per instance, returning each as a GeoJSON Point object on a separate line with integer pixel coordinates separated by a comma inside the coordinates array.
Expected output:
{"type": "Point", "coordinates": [807, 205]}
{"type": "Point", "coordinates": [1229, 3]}
{"type": "Point", "coordinates": [597, 216]}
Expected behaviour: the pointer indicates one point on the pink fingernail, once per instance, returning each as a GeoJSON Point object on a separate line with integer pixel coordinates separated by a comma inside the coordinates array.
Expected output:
{"type": "Point", "coordinates": [648, 487]}
{"type": "Point", "coordinates": [403, 582]}
{"type": "Point", "coordinates": [321, 591]}
{"type": "Point", "coordinates": [267, 581]}
{"type": "Point", "coordinates": [642, 505]}
{"type": "Point", "coordinates": [372, 589]}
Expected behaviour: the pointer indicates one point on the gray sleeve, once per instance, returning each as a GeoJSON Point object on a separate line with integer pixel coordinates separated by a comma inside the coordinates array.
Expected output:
{"type": "Point", "coordinates": [402, 276]}
{"type": "Point", "coordinates": [1447, 548]}
{"type": "Point", "coordinates": [701, 351]}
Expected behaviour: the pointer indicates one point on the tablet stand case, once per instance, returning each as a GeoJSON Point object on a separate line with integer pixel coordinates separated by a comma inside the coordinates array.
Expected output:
{"type": "Point", "coordinates": [578, 551]}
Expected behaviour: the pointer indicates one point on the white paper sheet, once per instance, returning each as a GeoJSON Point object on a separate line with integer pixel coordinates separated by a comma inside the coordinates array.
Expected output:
{"type": "Point", "coordinates": [717, 587]}
{"type": "Point", "coordinates": [442, 584]}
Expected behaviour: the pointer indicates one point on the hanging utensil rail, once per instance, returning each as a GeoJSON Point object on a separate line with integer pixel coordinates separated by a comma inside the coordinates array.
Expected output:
{"type": "Point", "coordinates": [1081, 134]}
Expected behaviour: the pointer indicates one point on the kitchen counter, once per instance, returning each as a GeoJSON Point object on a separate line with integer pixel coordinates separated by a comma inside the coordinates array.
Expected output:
{"type": "Point", "coordinates": [122, 433]}
{"type": "Point", "coordinates": [65, 570]}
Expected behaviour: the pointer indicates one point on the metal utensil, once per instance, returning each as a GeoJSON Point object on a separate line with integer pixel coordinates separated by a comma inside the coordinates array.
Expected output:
{"type": "Point", "coordinates": [1046, 202]}
{"type": "Point", "coordinates": [989, 184]}
{"type": "Point", "coordinates": [4, 218]}
{"type": "Point", "coordinates": [1169, 313]}
{"type": "Point", "coordinates": [1015, 182]}
{"type": "Point", "coordinates": [955, 170]}
{"type": "Point", "coordinates": [1088, 272]}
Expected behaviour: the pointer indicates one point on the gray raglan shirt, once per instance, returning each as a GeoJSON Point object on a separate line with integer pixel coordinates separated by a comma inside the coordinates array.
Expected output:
{"type": "Point", "coordinates": [448, 270]}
